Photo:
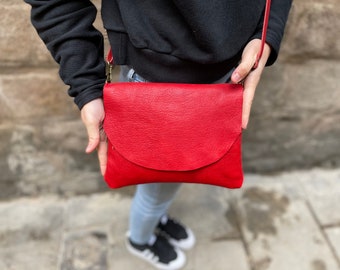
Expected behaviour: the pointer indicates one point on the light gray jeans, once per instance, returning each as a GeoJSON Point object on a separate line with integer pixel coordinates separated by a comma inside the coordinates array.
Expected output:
{"type": "Point", "coordinates": [151, 201]}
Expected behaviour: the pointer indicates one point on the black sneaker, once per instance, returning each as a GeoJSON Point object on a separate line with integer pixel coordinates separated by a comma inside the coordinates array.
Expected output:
{"type": "Point", "coordinates": [178, 235]}
{"type": "Point", "coordinates": [160, 253]}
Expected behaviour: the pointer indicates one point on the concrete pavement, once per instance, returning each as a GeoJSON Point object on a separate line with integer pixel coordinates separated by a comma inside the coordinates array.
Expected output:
{"type": "Point", "coordinates": [289, 221]}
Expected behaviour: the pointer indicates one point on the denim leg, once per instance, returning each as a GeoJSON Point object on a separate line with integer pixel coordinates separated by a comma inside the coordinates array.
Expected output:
{"type": "Point", "coordinates": [123, 74]}
{"type": "Point", "coordinates": [128, 74]}
{"type": "Point", "coordinates": [150, 202]}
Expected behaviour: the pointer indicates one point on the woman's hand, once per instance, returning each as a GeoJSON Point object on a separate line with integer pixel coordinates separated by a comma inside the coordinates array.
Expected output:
{"type": "Point", "coordinates": [93, 115]}
{"type": "Point", "coordinates": [250, 77]}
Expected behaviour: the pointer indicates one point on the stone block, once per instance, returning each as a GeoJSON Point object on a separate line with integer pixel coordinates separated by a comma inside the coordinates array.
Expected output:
{"type": "Point", "coordinates": [312, 31]}
{"type": "Point", "coordinates": [280, 233]}
{"type": "Point", "coordinates": [220, 255]}
{"type": "Point", "coordinates": [96, 210]}
{"type": "Point", "coordinates": [39, 167]}
{"type": "Point", "coordinates": [37, 255]}
{"type": "Point", "coordinates": [71, 135]}
{"type": "Point", "coordinates": [8, 180]}
{"type": "Point", "coordinates": [19, 43]}
{"type": "Point", "coordinates": [85, 250]}
{"type": "Point", "coordinates": [333, 235]}
{"type": "Point", "coordinates": [294, 116]}
{"type": "Point", "coordinates": [223, 255]}
{"type": "Point", "coordinates": [205, 209]}
{"type": "Point", "coordinates": [322, 190]}
{"type": "Point", "coordinates": [36, 94]}
{"type": "Point", "coordinates": [27, 220]}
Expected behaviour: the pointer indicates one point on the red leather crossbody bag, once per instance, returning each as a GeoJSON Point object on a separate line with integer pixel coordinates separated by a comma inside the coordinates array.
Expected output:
{"type": "Point", "coordinates": [169, 132]}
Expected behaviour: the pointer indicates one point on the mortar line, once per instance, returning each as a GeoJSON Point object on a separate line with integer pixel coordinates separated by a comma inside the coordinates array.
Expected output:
{"type": "Point", "coordinates": [62, 245]}
{"type": "Point", "coordinates": [238, 218]}
{"type": "Point", "coordinates": [331, 225]}
{"type": "Point", "coordinates": [323, 233]}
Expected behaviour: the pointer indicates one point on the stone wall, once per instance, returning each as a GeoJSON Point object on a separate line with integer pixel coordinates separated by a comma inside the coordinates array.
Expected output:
{"type": "Point", "coordinates": [296, 114]}
{"type": "Point", "coordinates": [42, 140]}
{"type": "Point", "coordinates": [294, 122]}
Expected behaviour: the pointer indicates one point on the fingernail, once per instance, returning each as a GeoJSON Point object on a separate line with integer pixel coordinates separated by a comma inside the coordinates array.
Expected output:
{"type": "Point", "coordinates": [237, 77]}
{"type": "Point", "coordinates": [88, 149]}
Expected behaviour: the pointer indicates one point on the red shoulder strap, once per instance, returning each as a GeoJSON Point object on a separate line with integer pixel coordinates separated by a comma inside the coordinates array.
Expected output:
{"type": "Point", "coordinates": [109, 57]}
{"type": "Point", "coordinates": [264, 33]}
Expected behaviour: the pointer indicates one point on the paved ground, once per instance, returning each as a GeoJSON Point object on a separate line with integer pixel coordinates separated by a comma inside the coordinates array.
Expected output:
{"type": "Point", "coordinates": [289, 221]}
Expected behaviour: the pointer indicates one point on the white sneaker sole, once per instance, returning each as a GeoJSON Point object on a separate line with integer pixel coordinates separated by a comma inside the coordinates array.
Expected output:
{"type": "Point", "coordinates": [185, 244]}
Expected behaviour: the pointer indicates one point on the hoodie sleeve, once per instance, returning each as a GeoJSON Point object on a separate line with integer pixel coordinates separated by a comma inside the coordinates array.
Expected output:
{"type": "Point", "coordinates": [66, 27]}
{"type": "Point", "coordinates": [277, 21]}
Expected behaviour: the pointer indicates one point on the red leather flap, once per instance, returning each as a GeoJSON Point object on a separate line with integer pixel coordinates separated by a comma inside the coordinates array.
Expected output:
{"type": "Point", "coordinates": [167, 126]}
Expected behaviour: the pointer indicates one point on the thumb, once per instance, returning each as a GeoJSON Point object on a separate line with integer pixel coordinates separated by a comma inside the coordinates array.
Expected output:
{"type": "Point", "coordinates": [92, 115]}
{"type": "Point", "coordinates": [248, 59]}
{"type": "Point", "coordinates": [242, 71]}
{"type": "Point", "coordinates": [93, 136]}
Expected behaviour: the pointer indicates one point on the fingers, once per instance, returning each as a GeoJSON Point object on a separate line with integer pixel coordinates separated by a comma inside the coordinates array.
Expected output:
{"type": "Point", "coordinates": [248, 96]}
{"type": "Point", "coordinates": [102, 152]}
{"type": "Point", "coordinates": [250, 83]}
{"type": "Point", "coordinates": [92, 115]}
{"type": "Point", "coordinates": [97, 140]}
{"type": "Point", "coordinates": [248, 59]}
{"type": "Point", "coordinates": [93, 136]}
{"type": "Point", "coordinates": [242, 70]}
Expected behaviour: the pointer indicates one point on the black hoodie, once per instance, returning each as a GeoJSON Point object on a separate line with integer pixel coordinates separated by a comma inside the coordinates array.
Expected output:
{"type": "Point", "coordinates": [195, 41]}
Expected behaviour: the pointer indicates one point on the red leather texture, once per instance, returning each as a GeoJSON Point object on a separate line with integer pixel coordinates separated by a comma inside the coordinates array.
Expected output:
{"type": "Point", "coordinates": [165, 132]}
